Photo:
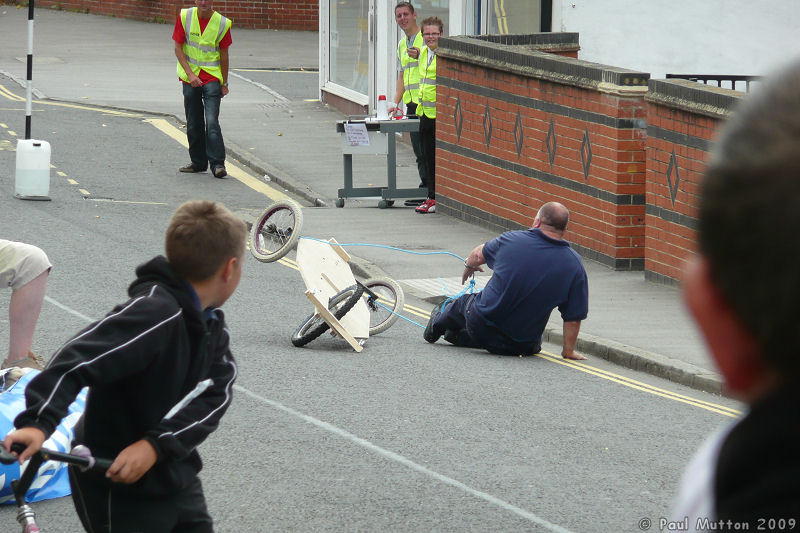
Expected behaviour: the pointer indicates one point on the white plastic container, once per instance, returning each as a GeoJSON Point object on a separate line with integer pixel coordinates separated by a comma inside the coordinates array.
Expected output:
{"type": "Point", "coordinates": [383, 111]}
{"type": "Point", "coordinates": [33, 170]}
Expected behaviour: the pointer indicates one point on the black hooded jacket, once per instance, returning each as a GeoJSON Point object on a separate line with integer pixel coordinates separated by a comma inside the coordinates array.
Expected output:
{"type": "Point", "coordinates": [157, 368]}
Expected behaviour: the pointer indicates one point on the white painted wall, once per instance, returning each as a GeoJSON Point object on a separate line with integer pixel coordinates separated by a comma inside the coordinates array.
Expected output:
{"type": "Point", "coordinates": [748, 37]}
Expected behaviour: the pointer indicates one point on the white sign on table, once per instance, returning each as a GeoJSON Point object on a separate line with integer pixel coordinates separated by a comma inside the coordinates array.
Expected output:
{"type": "Point", "coordinates": [356, 133]}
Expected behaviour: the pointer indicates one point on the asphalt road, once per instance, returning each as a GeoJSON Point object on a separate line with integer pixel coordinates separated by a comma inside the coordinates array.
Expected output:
{"type": "Point", "coordinates": [405, 436]}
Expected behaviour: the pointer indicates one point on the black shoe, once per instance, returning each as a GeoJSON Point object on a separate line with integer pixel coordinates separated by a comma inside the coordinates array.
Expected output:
{"type": "Point", "coordinates": [414, 203]}
{"type": "Point", "coordinates": [191, 168]}
{"type": "Point", "coordinates": [429, 334]}
{"type": "Point", "coordinates": [220, 172]}
{"type": "Point", "coordinates": [452, 337]}
{"type": "Point", "coordinates": [459, 338]}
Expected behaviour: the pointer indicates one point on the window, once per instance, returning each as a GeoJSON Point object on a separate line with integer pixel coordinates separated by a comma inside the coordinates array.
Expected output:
{"type": "Point", "coordinates": [511, 17]}
{"type": "Point", "coordinates": [433, 8]}
{"type": "Point", "coordinates": [349, 44]}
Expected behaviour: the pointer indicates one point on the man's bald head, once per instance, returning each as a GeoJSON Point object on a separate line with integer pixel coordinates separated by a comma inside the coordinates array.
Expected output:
{"type": "Point", "coordinates": [553, 216]}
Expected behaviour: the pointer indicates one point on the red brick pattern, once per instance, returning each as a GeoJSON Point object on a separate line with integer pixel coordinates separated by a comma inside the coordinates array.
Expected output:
{"type": "Point", "coordinates": [263, 14]}
{"type": "Point", "coordinates": [669, 243]}
{"type": "Point", "coordinates": [617, 167]}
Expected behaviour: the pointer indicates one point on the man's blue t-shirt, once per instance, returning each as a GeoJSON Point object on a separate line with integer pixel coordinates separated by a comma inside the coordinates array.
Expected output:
{"type": "Point", "coordinates": [533, 274]}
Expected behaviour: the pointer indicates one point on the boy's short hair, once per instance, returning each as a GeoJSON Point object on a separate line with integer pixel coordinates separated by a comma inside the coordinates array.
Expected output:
{"type": "Point", "coordinates": [433, 21]}
{"type": "Point", "coordinates": [404, 4]}
{"type": "Point", "coordinates": [201, 236]}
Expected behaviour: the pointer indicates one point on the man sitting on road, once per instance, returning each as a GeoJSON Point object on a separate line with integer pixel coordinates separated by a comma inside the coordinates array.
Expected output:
{"type": "Point", "coordinates": [534, 271]}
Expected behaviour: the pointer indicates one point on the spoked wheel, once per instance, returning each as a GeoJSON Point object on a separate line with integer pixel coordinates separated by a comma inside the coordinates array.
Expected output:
{"type": "Point", "coordinates": [276, 231]}
{"type": "Point", "coordinates": [383, 310]}
{"type": "Point", "coordinates": [339, 304]}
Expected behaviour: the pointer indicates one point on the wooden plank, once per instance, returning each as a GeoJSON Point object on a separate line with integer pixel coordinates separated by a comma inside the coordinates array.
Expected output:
{"type": "Point", "coordinates": [325, 271]}
{"type": "Point", "coordinates": [339, 250]}
{"type": "Point", "coordinates": [335, 325]}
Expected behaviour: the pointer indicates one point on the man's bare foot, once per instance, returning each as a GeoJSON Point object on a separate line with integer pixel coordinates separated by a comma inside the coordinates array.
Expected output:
{"type": "Point", "coordinates": [573, 356]}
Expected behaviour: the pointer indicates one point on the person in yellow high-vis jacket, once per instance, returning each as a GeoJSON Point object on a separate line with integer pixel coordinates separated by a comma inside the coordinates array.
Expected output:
{"type": "Point", "coordinates": [202, 37]}
{"type": "Point", "coordinates": [432, 29]}
{"type": "Point", "coordinates": [407, 90]}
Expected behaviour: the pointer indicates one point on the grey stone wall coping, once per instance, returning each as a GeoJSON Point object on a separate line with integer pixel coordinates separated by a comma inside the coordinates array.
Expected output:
{"type": "Point", "coordinates": [693, 97]}
{"type": "Point", "coordinates": [520, 60]}
{"type": "Point", "coordinates": [550, 41]}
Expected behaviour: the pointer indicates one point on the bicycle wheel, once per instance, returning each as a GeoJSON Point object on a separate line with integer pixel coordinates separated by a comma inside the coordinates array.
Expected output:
{"type": "Point", "coordinates": [276, 231]}
{"type": "Point", "coordinates": [383, 311]}
{"type": "Point", "coordinates": [314, 325]}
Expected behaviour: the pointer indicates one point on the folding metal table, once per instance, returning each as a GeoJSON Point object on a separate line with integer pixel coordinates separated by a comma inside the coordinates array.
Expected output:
{"type": "Point", "coordinates": [381, 141]}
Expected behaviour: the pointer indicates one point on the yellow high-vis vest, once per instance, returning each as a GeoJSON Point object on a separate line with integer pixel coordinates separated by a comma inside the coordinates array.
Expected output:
{"type": "Point", "coordinates": [410, 68]}
{"type": "Point", "coordinates": [202, 49]}
{"type": "Point", "coordinates": [427, 84]}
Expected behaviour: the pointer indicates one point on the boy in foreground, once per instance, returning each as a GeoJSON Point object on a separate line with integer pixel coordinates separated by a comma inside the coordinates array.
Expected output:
{"type": "Point", "coordinates": [159, 371]}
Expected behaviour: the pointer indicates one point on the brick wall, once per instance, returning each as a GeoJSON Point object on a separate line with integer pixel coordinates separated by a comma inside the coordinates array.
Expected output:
{"type": "Point", "coordinates": [263, 14]}
{"type": "Point", "coordinates": [518, 127]}
{"type": "Point", "coordinates": [682, 120]}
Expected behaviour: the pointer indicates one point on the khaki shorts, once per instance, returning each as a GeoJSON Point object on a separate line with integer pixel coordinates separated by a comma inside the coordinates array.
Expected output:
{"type": "Point", "coordinates": [20, 263]}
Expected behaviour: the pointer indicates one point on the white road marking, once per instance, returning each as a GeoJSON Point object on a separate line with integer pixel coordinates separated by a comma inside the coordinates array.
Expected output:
{"type": "Point", "coordinates": [443, 286]}
{"type": "Point", "coordinates": [279, 97]}
{"type": "Point", "coordinates": [406, 462]}
{"type": "Point", "coordinates": [69, 309]}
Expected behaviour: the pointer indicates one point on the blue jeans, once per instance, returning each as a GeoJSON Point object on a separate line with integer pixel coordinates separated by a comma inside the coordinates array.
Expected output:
{"type": "Point", "coordinates": [202, 124]}
{"type": "Point", "coordinates": [461, 325]}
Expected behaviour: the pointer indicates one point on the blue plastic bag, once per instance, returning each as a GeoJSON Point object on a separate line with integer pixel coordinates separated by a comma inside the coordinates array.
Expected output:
{"type": "Point", "coordinates": [52, 481]}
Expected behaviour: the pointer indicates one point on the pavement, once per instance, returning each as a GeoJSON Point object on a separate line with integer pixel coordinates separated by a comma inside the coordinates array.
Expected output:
{"type": "Point", "coordinates": [285, 136]}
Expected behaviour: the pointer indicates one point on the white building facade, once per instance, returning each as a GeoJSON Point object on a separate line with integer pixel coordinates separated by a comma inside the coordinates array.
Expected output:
{"type": "Point", "coordinates": [358, 38]}
{"type": "Point", "coordinates": [729, 37]}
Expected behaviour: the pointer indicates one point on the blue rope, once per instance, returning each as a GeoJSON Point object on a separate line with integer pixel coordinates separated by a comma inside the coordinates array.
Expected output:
{"type": "Point", "coordinates": [398, 314]}
{"type": "Point", "coordinates": [469, 288]}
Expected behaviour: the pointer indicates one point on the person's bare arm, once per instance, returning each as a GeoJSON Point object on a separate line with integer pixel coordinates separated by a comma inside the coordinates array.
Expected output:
{"type": "Point", "coordinates": [571, 330]}
{"type": "Point", "coordinates": [223, 64]}
{"type": "Point", "coordinates": [400, 88]}
{"type": "Point", "coordinates": [473, 263]}
{"type": "Point", "coordinates": [194, 81]}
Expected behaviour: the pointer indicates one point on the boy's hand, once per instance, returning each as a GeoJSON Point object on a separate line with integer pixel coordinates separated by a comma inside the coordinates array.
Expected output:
{"type": "Point", "coordinates": [32, 438]}
{"type": "Point", "coordinates": [132, 463]}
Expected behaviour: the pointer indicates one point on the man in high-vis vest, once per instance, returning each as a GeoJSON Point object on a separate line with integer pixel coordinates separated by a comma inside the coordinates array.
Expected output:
{"type": "Point", "coordinates": [202, 37]}
{"type": "Point", "coordinates": [407, 91]}
{"type": "Point", "coordinates": [432, 29]}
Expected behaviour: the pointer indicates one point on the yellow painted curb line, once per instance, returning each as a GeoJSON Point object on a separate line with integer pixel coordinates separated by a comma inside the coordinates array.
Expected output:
{"type": "Point", "coordinates": [233, 171]}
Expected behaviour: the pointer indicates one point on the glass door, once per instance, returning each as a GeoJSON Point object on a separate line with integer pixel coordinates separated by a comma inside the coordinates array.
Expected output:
{"type": "Point", "coordinates": [345, 48]}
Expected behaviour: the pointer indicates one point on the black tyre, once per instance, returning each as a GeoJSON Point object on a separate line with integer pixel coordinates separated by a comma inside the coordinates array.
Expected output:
{"type": "Point", "coordinates": [314, 325]}
{"type": "Point", "coordinates": [384, 311]}
{"type": "Point", "coordinates": [276, 231]}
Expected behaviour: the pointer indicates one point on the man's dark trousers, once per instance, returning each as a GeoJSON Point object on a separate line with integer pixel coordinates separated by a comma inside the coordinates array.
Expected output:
{"type": "Point", "coordinates": [206, 146]}
{"type": "Point", "coordinates": [463, 326]}
{"type": "Point", "coordinates": [416, 144]}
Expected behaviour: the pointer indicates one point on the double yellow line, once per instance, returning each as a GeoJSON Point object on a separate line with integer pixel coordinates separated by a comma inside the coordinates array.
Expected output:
{"type": "Point", "coordinates": [641, 386]}
{"type": "Point", "coordinates": [9, 95]}
{"type": "Point", "coordinates": [6, 93]}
